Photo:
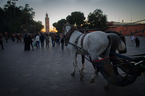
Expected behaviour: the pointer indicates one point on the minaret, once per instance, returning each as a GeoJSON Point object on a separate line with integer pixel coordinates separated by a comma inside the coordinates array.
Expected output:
{"type": "Point", "coordinates": [47, 23]}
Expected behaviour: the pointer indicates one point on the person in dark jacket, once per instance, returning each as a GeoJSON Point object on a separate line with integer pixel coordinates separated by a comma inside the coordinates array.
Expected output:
{"type": "Point", "coordinates": [27, 42]}
{"type": "Point", "coordinates": [42, 40]}
{"type": "Point", "coordinates": [62, 41]}
{"type": "Point", "coordinates": [53, 40]}
{"type": "Point", "coordinates": [137, 41]}
{"type": "Point", "coordinates": [1, 41]}
{"type": "Point", "coordinates": [57, 38]}
{"type": "Point", "coordinates": [47, 40]}
{"type": "Point", "coordinates": [6, 37]}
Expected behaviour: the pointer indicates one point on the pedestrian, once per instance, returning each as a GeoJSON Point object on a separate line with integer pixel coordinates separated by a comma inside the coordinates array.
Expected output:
{"type": "Point", "coordinates": [57, 37]}
{"type": "Point", "coordinates": [1, 41]}
{"type": "Point", "coordinates": [132, 37]}
{"type": "Point", "coordinates": [62, 42]}
{"type": "Point", "coordinates": [6, 37]}
{"type": "Point", "coordinates": [37, 39]}
{"type": "Point", "coordinates": [47, 40]}
{"type": "Point", "coordinates": [53, 40]}
{"type": "Point", "coordinates": [18, 36]}
{"type": "Point", "coordinates": [13, 37]}
{"type": "Point", "coordinates": [42, 40]}
{"type": "Point", "coordinates": [26, 45]}
{"type": "Point", "coordinates": [31, 41]}
{"type": "Point", "coordinates": [27, 42]}
{"type": "Point", "coordinates": [137, 41]}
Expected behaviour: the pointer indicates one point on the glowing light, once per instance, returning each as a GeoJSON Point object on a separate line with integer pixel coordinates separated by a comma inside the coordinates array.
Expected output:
{"type": "Point", "coordinates": [43, 30]}
{"type": "Point", "coordinates": [51, 30]}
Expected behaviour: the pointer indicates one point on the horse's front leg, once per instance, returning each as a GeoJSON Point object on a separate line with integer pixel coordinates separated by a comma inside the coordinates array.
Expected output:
{"type": "Point", "coordinates": [76, 67]}
{"type": "Point", "coordinates": [74, 56]}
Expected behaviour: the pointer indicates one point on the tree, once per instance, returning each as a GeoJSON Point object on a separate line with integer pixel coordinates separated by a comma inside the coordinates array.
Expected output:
{"type": "Point", "coordinates": [39, 26]}
{"type": "Point", "coordinates": [59, 25]}
{"type": "Point", "coordinates": [2, 20]}
{"type": "Point", "coordinates": [69, 20]}
{"type": "Point", "coordinates": [97, 19]}
{"type": "Point", "coordinates": [76, 18]}
{"type": "Point", "coordinates": [35, 27]}
{"type": "Point", "coordinates": [18, 19]}
{"type": "Point", "coordinates": [27, 16]}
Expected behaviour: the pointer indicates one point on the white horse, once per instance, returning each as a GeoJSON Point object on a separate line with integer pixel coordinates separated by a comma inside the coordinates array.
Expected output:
{"type": "Point", "coordinates": [94, 44]}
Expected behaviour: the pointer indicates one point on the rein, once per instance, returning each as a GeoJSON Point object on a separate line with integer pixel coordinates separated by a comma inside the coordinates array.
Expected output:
{"type": "Point", "coordinates": [67, 37]}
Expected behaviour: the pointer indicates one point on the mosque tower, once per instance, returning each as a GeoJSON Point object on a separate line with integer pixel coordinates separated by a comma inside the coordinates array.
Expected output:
{"type": "Point", "coordinates": [47, 23]}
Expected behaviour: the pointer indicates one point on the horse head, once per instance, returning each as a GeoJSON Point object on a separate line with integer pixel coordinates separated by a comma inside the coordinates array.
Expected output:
{"type": "Point", "coordinates": [66, 28]}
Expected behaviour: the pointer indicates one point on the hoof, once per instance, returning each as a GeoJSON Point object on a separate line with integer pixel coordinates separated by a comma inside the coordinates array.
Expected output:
{"type": "Point", "coordinates": [106, 87]}
{"type": "Point", "coordinates": [92, 81]}
{"type": "Point", "coordinates": [72, 74]}
{"type": "Point", "coordinates": [82, 69]}
{"type": "Point", "coordinates": [81, 78]}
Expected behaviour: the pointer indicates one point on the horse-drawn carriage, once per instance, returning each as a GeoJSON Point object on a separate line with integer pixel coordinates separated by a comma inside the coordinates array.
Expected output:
{"type": "Point", "coordinates": [132, 68]}
{"type": "Point", "coordinates": [100, 44]}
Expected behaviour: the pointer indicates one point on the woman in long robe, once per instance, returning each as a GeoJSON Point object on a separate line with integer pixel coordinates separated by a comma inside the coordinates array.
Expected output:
{"type": "Point", "coordinates": [27, 42]}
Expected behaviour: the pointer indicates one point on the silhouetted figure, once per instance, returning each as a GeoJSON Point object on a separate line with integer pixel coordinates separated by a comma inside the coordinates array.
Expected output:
{"type": "Point", "coordinates": [6, 37]}
{"type": "Point", "coordinates": [137, 41]}
{"type": "Point", "coordinates": [18, 36]}
{"type": "Point", "coordinates": [47, 40]}
{"type": "Point", "coordinates": [13, 37]}
{"type": "Point", "coordinates": [1, 41]}
{"type": "Point", "coordinates": [62, 42]}
{"type": "Point", "coordinates": [42, 40]}
{"type": "Point", "coordinates": [27, 42]}
{"type": "Point", "coordinates": [53, 40]}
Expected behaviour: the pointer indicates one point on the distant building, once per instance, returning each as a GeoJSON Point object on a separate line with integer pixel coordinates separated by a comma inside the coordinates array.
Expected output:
{"type": "Point", "coordinates": [136, 29]}
{"type": "Point", "coordinates": [47, 23]}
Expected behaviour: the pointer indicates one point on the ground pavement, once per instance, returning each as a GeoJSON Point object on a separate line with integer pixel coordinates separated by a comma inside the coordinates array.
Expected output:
{"type": "Point", "coordinates": [46, 72]}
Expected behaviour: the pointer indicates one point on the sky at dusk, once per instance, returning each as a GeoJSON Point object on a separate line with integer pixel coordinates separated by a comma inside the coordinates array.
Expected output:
{"type": "Point", "coordinates": [116, 10]}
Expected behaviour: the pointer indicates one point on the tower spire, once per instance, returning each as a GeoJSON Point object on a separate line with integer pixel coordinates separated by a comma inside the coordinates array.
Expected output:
{"type": "Point", "coordinates": [47, 23]}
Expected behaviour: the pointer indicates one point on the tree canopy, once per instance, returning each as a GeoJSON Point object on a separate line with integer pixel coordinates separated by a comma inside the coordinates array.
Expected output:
{"type": "Point", "coordinates": [18, 19]}
{"type": "Point", "coordinates": [59, 25]}
{"type": "Point", "coordinates": [76, 18]}
{"type": "Point", "coordinates": [95, 19]}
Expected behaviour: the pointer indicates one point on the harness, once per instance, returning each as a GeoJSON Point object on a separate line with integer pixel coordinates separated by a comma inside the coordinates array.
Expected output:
{"type": "Point", "coordinates": [80, 49]}
{"type": "Point", "coordinates": [67, 37]}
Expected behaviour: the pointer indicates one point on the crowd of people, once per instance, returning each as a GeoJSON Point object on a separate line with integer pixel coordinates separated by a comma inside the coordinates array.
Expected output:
{"type": "Point", "coordinates": [33, 40]}
{"type": "Point", "coordinates": [30, 40]}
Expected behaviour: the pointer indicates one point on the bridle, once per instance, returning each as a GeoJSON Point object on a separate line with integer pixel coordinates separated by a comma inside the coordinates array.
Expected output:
{"type": "Point", "coordinates": [68, 34]}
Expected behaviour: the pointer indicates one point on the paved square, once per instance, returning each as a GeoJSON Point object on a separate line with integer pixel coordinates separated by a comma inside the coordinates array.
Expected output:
{"type": "Point", "coordinates": [46, 72]}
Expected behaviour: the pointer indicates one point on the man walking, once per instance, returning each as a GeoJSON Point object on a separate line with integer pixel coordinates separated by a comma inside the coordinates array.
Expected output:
{"type": "Point", "coordinates": [1, 41]}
